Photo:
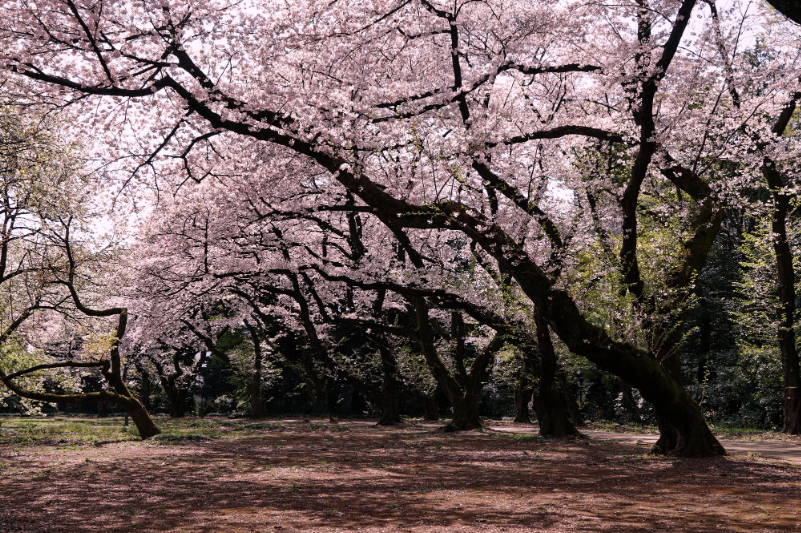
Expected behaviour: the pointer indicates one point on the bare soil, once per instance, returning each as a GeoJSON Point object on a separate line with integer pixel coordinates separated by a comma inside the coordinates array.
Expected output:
{"type": "Point", "coordinates": [357, 477]}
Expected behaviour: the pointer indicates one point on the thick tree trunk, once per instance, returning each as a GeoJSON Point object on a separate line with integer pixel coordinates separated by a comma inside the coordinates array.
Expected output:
{"type": "Point", "coordinates": [523, 395]}
{"type": "Point", "coordinates": [430, 411]}
{"type": "Point", "coordinates": [569, 397]}
{"type": "Point", "coordinates": [140, 416]}
{"type": "Point", "coordinates": [552, 416]}
{"type": "Point", "coordinates": [466, 417]}
{"type": "Point", "coordinates": [178, 401]}
{"type": "Point", "coordinates": [463, 417]}
{"type": "Point", "coordinates": [551, 412]}
{"type": "Point", "coordinates": [682, 429]}
{"type": "Point", "coordinates": [463, 396]}
{"type": "Point", "coordinates": [683, 432]}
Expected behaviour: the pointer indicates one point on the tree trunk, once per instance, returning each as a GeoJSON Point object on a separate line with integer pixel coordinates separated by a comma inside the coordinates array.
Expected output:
{"type": "Point", "coordinates": [332, 397]}
{"type": "Point", "coordinates": [523, 394]}
{"type": "Point", "coordinates": [463, 398]}
{"type": "Point", "coordinates": [466, 416]}
{"type": "Point", "coordinates": [140, 416]}
{"type": "Point", "coordinates": [144, 423]}
{"type": "Point", "coordinates": [682, 429]}
{"type": "Point", "coordinates": [569, 397]}
{"type": "Point", "coordinates": [786, 278]}
{"type": "Point", "coordinates": [178, 401]}
{"type": "Point", "coordinates": [430, 411]}
{"type": "Point", "coordinates": [627, 402]}
{"type": "Point", "coordinates": [146, 389]}
{"type": "Point", "coordinates": [551, 412]}
{"type": "Point", "coordinates": [390, 415]}
{"type": "Point", "coordinates": [389, 402]}
{"type": "Point", "coordinates": [256, 401]}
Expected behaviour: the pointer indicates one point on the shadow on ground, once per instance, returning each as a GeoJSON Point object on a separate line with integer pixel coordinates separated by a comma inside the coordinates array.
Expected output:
{"type": "Point", "coordinates": [321, 479]}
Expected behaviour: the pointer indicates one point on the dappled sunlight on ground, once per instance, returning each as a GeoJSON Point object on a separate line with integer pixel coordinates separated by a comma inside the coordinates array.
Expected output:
{"type": "Point", "coordinates": [321, 477]}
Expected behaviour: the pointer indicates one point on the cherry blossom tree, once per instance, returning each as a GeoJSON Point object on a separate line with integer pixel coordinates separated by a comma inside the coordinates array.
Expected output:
{"type": "Point", "coordinates": [45, 267]}
{"type": "Point", "coordinates": [463, 117]}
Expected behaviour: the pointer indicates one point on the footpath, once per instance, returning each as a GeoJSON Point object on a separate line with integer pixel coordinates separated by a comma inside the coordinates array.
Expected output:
{"type": "Point", "coordinates": [767, 449]}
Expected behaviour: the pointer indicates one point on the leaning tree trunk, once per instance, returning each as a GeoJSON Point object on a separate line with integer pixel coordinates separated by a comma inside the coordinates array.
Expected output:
{"type": "Point", "coordinates": [683, 432]}
{"type": "Point", "coordinates": [141, 418]}
{"type": "Point", "coordinates": [551, 412]}
{"type": "Point", "coordinates": [110, 369]}
{"type": "Point", "coordinates": [123, 397]}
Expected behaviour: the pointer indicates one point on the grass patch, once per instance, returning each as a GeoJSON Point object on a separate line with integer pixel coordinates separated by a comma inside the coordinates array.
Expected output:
{"type": "Point", "coordinates": [72, 430]}
{"type": "Point", "coordinates": [746, 433]}
{"type": "Point", "coordinates": [623, 428]}
{"type": "Point", "coordinates": [178, 438]}
{"type": "Point", "coordinates": [264, 425]}
{"type": "Point", "coordinates": [526, 437]}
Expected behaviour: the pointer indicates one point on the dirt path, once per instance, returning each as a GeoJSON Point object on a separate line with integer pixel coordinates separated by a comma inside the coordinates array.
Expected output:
{"type": "Point", "coordinates": [771, 449]}
{"type": "Point", "coordinates": [302, 477]}
{"type": "Point", "coordinates": [768, 449]}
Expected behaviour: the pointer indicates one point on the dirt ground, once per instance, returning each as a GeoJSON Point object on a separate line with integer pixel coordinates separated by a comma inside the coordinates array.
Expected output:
{"type": "Point", "coordinates": [302, 477]}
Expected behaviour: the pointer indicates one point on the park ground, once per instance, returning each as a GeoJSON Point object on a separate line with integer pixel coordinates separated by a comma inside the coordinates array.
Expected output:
{"type": "Point", "coordinates": [69, 475]}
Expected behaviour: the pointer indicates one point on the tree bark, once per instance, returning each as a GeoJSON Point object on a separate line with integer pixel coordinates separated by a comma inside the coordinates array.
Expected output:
{"type": "Point", "coordinates": [524, 392]}
{"type": "Point", "coordinates": [254, 387]}
{"type": "Point", "coordinates": [523, 395]}
{"type": "Point", "coordinates": [569, 397]}
{"type": "Point", "coordinates": [463, 398]}
{"type": "Point", "coordinates": [551, 412]}
{"type": "Point", "coordinates": [430, 411]}
{"type": "Point", "coordinates": [628, 403]}
{"type": "Point", "coordinates": [389, 402]}
{"type": "Point", "coordinates": [791, 368]}
{"type": "Point", "coordinates": [178, 401]}
{"type": "Point", "coordinates": [786, 280]}
{"type": "Point", "coordinates": [146, 388]}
